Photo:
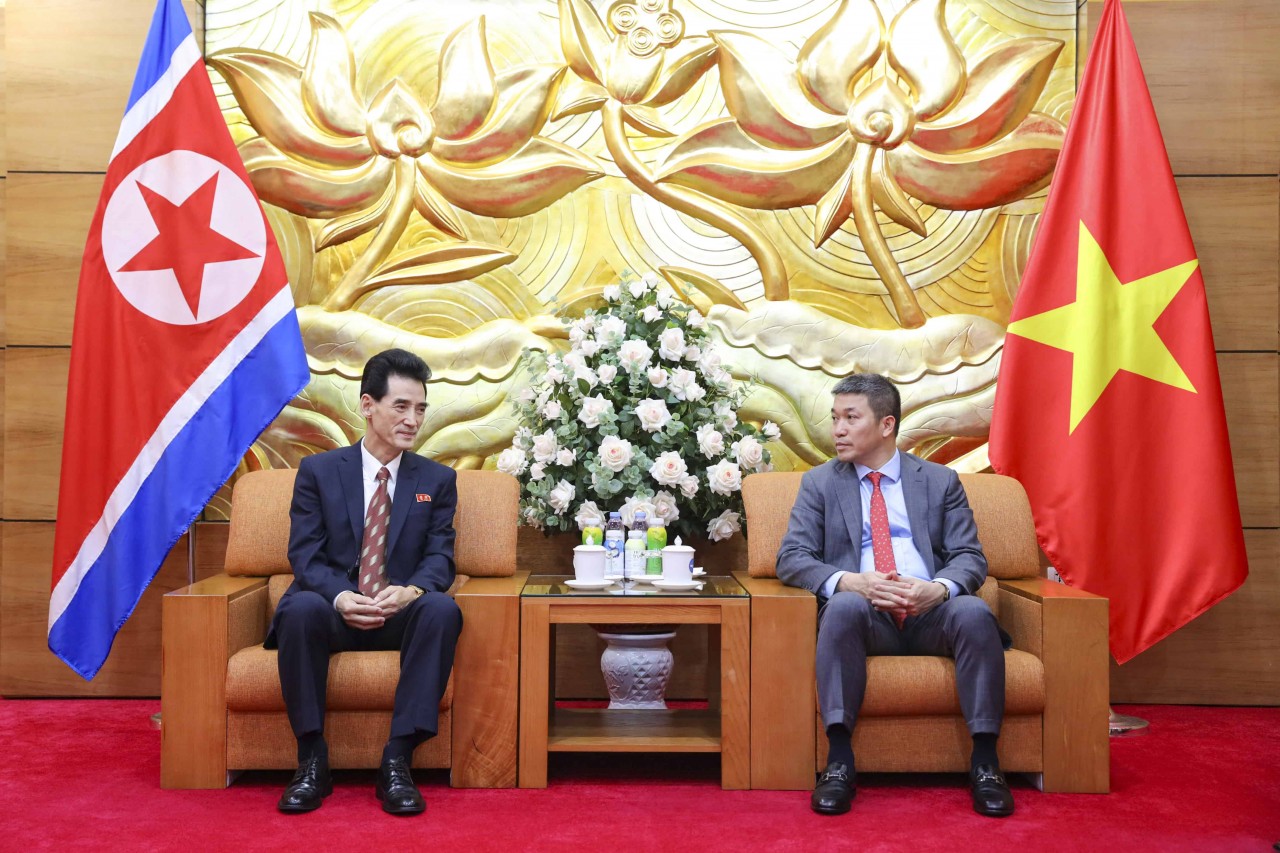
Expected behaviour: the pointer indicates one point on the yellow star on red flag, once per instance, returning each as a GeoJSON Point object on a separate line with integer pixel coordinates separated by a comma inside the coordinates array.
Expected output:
{"type": "Point", "coordinates": [1110, 326]}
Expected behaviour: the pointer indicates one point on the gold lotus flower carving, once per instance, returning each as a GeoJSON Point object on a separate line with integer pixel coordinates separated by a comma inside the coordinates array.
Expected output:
{"type": "Point", "coordinates": [867, 117]}
{"type": "Point", "coordinates": [325, 153]}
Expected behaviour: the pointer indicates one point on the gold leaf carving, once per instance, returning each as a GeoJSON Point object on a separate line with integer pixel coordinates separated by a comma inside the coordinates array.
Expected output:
{"type": "Point", "coordinates": [922, 51]}
{"type": "Point", "coordinates": [440, 264]}
{"type": "Point", "coordinates": [525, 182]}
{"type": "Point", "coordinates": [840, 52]}
{"type": "Point", "coordinates": [466, 80]}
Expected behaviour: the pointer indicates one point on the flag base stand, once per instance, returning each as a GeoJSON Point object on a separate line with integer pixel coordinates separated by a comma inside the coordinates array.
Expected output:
{"type": "Point", "coordinates": [155, 721]}
{"type": "Point", "coordinates": [1123, 725]}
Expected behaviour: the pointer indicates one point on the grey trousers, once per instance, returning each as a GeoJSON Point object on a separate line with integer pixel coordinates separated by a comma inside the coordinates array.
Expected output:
{"type": "Point", "coordinates": [963, 628]}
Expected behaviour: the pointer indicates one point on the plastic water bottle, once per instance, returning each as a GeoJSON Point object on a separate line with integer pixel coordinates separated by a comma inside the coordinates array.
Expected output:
{"type": "Point", "coordinates": [614, 536]}
{"type": "Point", "coordinates": [655, 541]}
{"type": "Point", "coordinates": [633, 556]}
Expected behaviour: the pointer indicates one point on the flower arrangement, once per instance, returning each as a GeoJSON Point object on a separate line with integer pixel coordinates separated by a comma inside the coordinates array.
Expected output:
{"type": "Point", "coordinates": [639, 414]}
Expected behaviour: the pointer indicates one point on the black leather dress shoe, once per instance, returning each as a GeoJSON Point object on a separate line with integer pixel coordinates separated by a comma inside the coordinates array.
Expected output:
{"type": "Point", "coordinates": [396, 789]}
{"type": "Point", "coordinates": [310, 785]}
{"type": "Point", "coordinates": [991, 794]}
{"type": "Point", "coordinates": [834, 792]}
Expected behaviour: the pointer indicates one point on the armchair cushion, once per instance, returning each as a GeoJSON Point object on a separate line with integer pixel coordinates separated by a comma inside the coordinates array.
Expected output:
{"type": "Point", "coordinates": [358, 681]}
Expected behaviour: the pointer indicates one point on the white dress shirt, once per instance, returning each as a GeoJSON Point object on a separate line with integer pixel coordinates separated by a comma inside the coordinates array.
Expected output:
{"type": "Point", "coordinates": [905, 556]}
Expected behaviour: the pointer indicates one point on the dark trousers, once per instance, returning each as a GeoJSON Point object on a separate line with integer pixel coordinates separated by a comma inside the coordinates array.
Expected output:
{"type": "Point", "coordinates": [963, 628]}
{"type": "Point", "coordinates": [308, 629]}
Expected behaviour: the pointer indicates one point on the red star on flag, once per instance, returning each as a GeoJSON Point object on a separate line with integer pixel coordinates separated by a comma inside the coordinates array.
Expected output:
{"type": "Point", "coordinates": [187, 241]}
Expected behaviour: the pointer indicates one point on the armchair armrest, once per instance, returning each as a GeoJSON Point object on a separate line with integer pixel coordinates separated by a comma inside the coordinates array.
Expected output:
{"type": "Point", "coordinates": [1067, 629]}
{"type": "Point", "coordinates": [202, 625]}
{"type": "Point", "coordinates": [486, 682]}
{"type": "Point", "coordinates": [784, 636]}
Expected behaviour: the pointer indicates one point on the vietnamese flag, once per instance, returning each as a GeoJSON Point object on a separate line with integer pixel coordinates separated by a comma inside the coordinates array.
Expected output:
{"type": "Point", "coordinates": [1108, 407]}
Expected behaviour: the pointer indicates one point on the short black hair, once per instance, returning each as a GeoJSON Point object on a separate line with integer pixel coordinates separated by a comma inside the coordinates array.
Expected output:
{"type": "Point", "coordinates": [392, 362]}
{"type": "Point", "coordinates": [882, 395]}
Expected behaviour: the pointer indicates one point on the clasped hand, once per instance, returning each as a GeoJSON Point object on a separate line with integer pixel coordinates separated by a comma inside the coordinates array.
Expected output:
{"type": "Point", "coordinates": [361, 611]}
{"type": "Point", "coordinates": [894, 593]}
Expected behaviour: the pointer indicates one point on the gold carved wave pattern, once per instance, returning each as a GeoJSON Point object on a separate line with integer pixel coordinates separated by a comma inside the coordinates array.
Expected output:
{"type": "Point", "coordinates": [840, 186]}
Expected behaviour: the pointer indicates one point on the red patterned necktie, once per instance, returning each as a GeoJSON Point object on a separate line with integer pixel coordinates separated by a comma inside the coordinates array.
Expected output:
{"type": "Point", "coordinates": [373, 550]}
{"type": "Point", "coordinates": [881, 541]}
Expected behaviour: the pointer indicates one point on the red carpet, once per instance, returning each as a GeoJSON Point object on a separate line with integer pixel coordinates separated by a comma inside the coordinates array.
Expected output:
{"type": "Point", "coordinates": [84, 774]}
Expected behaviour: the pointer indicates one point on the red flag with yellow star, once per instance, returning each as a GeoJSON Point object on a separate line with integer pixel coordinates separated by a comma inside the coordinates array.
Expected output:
{"type": "Point", "coordinates": [1108, 407]}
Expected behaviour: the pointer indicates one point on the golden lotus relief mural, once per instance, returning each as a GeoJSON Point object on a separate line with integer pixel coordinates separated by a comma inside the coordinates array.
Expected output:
{"type": "Point", "coordinates": [838, 186]}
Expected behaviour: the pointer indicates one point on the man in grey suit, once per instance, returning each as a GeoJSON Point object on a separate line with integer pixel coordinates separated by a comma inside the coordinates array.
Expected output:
{"type": "Point", "coordinates": [888, 543]}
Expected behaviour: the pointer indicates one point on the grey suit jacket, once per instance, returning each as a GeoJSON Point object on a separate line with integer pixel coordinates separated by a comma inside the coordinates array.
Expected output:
{"type": "Point", "coordinates": [824, 534]}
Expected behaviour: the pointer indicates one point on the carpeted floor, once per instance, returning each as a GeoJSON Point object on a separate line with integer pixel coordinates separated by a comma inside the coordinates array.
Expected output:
{"type": "Point", "coordinates": [83, 774]}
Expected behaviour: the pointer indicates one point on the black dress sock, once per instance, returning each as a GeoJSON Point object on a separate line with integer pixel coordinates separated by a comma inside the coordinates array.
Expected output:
{"type": "Point", "coordinates": [312, 745]}
{"type": "Point", "coordinates": [840, 745]}
{"type": "Point", "coordinates": [984, 750]}
{"type": "Point", "coordinates": [400, 747]}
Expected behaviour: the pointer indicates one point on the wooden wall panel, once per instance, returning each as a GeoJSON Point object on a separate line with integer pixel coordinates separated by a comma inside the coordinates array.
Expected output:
{"type": "Point", "coordinates": [28, 668]}
{"type": "Point", "coordinates": [50, 220]}
{"type": "Point", "coordinates": [1227, 656]}
{"type": "Point", "coordinates": [1251, 393]}
{"type": "Point", "coordinates": [35, 397]}
{"type": "Point", "coordinates": [1233, 222]}
{"type": "Point", "coordinates": [1214, 76]}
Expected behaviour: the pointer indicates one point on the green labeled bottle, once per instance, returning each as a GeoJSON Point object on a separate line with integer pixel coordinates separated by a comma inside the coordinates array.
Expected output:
{"type": "Point", "coordinates": [655, 541]}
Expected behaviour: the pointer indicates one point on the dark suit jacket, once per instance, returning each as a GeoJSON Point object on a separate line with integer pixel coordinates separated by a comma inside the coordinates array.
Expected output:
{"type": "Point", "coordinates": [824, 534]}
{"type": "Point", "coordinates": [327, 523]}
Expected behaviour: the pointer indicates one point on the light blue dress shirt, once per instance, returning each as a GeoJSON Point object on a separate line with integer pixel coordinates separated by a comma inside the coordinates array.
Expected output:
{"type": "Point", "coordinates": [908, 559]}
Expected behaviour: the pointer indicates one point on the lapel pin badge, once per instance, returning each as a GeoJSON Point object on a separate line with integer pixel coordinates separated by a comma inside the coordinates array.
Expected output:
{"type": "Point", "coordinates": [423, 499]}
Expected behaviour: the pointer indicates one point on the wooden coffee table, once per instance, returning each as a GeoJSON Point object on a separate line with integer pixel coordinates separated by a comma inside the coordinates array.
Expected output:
{"type": "Point", "coordinates": [724, 727]}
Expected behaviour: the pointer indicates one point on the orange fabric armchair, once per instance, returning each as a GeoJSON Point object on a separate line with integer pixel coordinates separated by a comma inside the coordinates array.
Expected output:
{"type": "Point", "coordinates": [1056, 700]}
{"type": "Point", "coordinates": [222, 710]}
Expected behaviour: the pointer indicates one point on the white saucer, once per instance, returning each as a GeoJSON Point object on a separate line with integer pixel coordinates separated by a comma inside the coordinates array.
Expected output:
{"type": "Point", "coordinates": [698, 571]}
{"type": "Point", "coordinates": [577, 584]}
{"type": "Point", "coordinates": [614, 577]}
{"type": "Point", "coordinates": [664, 584]}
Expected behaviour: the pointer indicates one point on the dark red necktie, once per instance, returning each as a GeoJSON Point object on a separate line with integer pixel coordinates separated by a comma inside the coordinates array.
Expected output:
{"type": "Point", "coordinates": [881, 541]}
{"type": "Point", "coordinates": [373, 549]}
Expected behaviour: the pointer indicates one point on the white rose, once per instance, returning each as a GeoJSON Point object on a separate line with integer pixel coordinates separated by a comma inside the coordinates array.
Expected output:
{"type": "Point", "coordinates": [709, 362]}
{"type": "Point", "coordinates": [710, 442]}
{"type": "Point", "coordinates": [668, 469]}
{"type": "Point", "coordinates": [748, 452]}
{"type": "Point", "coordinates": [612, 293]}
{"type": "Point", "coordinates": [665, 296]}
{"type": "Point", "coordinates": [652, 280]}
{"type": "Point", "coordinates": [721, 378]}
{"type": "Point", "coordinates": [544, 447]}
{"type": "Point", "coordinates": [607, 373]}
{"type": "Point", "coordinates": [590, 347]}
{"type": "Point", "coordinates": [651, 313]}
{"type": "Point", "coordinates": [634, 355]}
{"type": "Point", "coordinates": [586, 375]}
{"type": "Point", "coordinates": [696, 392]}
{"type": "Point", "coordinates": [725, 414]}
{"type": "Point", "coordinates": [638, 288]}
{"type": "Point", "coordinates": [555, 375]}
{"type": "Point", "coordinates": [634, 505]}
{"type": "Point", "coordinates": [589, 515]}
{"type": "Point", "coordinates": [771, 431]}
{"type": "Point", "coordinates": [692, 353]}
{"type": "Point", "coordinates": [573, 360]}
{"type": "Point", "coordinates": [561, 496]}
{"type": "Point", "coordinates": [724, 525]}
{"type": "Point", "coordinates": [724, 477]}
{"type": "Point", "coordinates": [684, 384]}
{"type": "Point", "coordinates": [658, 377]}
{"type": "Point", "coordinates": [524, 437]}
{"type": "Point", "coordinates": [610, 330]}
{"type": "Point", "coordinates": [532, 517]}
{"type": "Point", "coordinates": [653, 415]}
{"type": "Point", "coordinates": [695, 320]}
{"type": "Point", "coordinates": [512, 461]}
{"type": "Point", "coordinates": [689, 486]}
{"type": "Point", "coordinates": [593, 409]}
{"type": "Point", "coordinates": [664, 506]}
{"type": "Point", "coordinates": [551, 410]}
{"type": "Point", "coordinates": [615, 453]}
{"type": "Point", "coordinates": [565, 456]}
{"type": "Point", "coordinates": [526, 395]}
{"type": "Point", "coordinates": [671, 344]}
{"type": "Point", "coordinates": [537, 471]}
{"type": "Point", "coordinates": [578, 333]}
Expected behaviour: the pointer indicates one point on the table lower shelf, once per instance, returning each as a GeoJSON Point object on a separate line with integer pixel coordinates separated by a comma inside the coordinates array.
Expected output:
{"type": "Point", "coordinates": [603, 730]}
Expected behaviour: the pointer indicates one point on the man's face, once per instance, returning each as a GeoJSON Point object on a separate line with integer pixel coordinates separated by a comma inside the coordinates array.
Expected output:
{"type": "Point", "coordinates": [859, 436]}
{"type": "Point", "coordinates": [394, 421]}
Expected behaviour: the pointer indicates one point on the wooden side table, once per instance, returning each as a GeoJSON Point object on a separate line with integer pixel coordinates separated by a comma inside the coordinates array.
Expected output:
{"type": "Point", "coordinates": [724, 727]}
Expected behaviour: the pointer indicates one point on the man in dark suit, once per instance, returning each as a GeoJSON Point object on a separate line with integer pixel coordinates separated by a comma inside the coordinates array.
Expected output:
{"type": "Point", "coordinates": [887, 542]}
{"type": "Point", "coordinates": [371, 545]}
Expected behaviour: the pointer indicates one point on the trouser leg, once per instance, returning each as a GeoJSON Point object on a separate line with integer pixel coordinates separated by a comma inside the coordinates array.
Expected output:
{"type": "Point", "coordinates": [965, 629]}
{"type": "Point", "coordinates": [849, 629]}
{"type": "Point", "coordinates": [307, 630]}
{"type": "Point", "coordinates": [429, 629]}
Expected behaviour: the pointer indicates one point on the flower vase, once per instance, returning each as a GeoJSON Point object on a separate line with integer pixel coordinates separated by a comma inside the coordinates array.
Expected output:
{"type": "Point", "coordinates": [637, 669]}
